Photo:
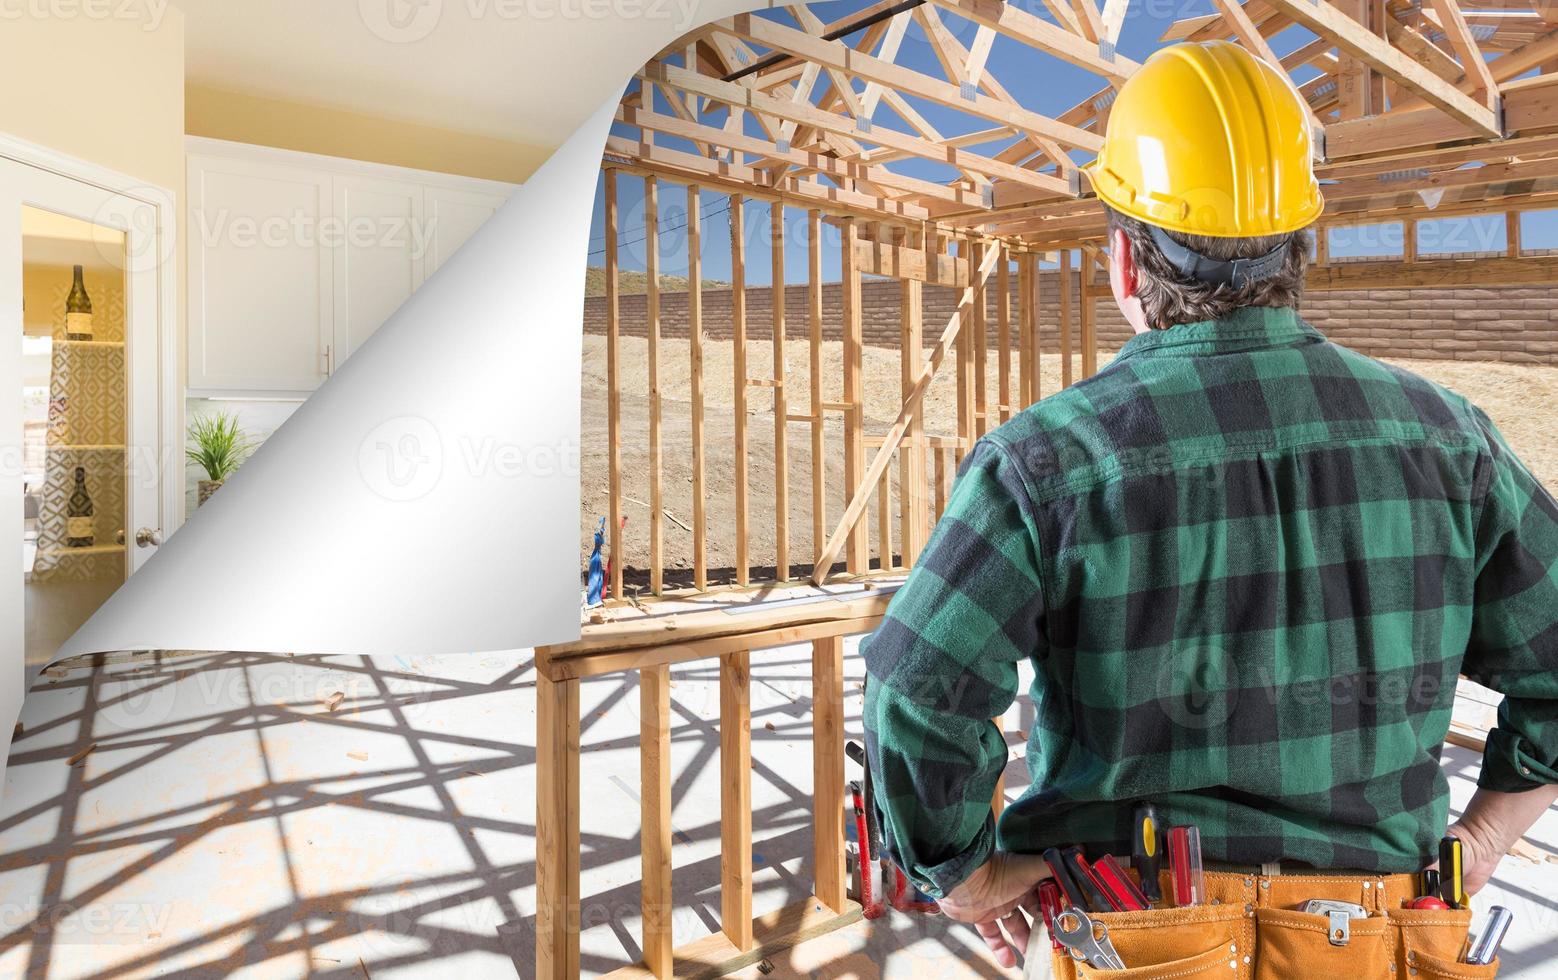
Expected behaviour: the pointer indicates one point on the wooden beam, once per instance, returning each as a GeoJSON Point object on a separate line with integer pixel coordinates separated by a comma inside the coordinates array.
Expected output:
{"type": "Point", "coordinates": [806, 159]}
{"type": "Point", "coordinates": [654, 741]}
{"type": "Point", "coordinates": [648, 160]}
{"type": "Point", "coordinates": [1089, 317]}
{"type": "Point", "coordinates": [738, 335]}
{"type": "Point", "coordinates": [735, 759]}
{"type": "Point", "coordinates": [736, 95]}
{"type": "Point", "coordinates": [896, 261]}
{"type": "Point", "coordinates": [910, 82]}
{"type": "Point", "coordinates": [895, 435]}
{"type": "Point", "coordinates": [819, 467]}
{"type": "Point", "coordinates": [613, 386]}
{"type": "Point", "coordinates": [1016, 22]}
{"type": "Point", "coordinates": [1484, 273]}
{"type": "Point", "coordinates": [557, 828]}
{"type": "Point", "coordinates": [1356, 40]}
{"type": "Point", "coordinates": [1003, 336]}
{"type": "Point", "coordinates": [652, 327]}
{"type": "Point", "coordinates": [1027, 331]}
{"type": "Point", "coordinates": [913, 519]}
{"type": "Point", "coordinates": [827, 746]}
{"type": "Point", "coordinates": [1114, 19]}
{"type": "Point", "coordinates": [781, 398]}
{"type": "Point", "coordinates": [700, 521]}
{"type": "Point", "coordinates": [1458, 34]}
{"type": "Point", "coordinates": [858, 554]}
{"type": "Point", "coordinates": [1065, 317]}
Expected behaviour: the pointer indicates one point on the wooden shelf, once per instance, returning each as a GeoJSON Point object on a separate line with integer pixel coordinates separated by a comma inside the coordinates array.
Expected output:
{"type": "Point", "coordinates": [97, 549]}
{"type": "Point", "coordinates": [84, 448]}
{"type": "Point", "coordinates": [91, 344]}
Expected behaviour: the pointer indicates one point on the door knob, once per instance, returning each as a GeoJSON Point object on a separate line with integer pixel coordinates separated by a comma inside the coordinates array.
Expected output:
{"type": "Point", "coordinates": [148, 538]}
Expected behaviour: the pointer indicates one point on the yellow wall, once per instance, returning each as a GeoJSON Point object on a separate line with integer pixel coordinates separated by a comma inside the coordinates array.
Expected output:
{"type": "Point", "coordinates": [244, 118]}
{"type": "Point", "coordinates": [108, 90]}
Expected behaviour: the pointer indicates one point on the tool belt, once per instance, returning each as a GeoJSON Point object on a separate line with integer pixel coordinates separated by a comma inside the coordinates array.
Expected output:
{"type": "Point", "coordinates": [1250, 929]}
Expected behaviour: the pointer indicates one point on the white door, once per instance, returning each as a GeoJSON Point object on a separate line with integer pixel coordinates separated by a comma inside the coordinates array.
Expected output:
{"type": "Point", "coordinates": [260, 282]}
{"type": "Point", "coordinates": [80, 418]}
{"type": "Point", "coordinates": [379, 261]}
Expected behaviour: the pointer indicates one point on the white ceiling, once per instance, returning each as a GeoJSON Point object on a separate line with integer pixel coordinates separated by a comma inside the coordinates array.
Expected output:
{"type": "Point", "coordinates": [521, 70]}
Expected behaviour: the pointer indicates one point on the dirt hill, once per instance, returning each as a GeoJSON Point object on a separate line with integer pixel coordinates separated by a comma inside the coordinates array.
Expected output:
{"type": "Point", "coordinates": [636, 282]}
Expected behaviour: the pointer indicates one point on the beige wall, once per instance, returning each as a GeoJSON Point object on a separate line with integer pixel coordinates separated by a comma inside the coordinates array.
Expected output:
{"type": "Point", "coordinates": [107, 90]}
{"type": "Point", "coordinates": [225, 115]}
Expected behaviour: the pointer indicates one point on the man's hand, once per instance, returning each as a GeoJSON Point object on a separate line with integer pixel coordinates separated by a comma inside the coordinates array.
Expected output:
{"type": "Point", "coordinates": [995, 895]}
{"type": "Point", "coordinates": [1490, 826]}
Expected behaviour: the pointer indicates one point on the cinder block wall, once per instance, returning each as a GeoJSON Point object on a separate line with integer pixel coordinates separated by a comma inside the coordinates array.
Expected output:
{"type": "Point", "coordinates": [1510, 324]}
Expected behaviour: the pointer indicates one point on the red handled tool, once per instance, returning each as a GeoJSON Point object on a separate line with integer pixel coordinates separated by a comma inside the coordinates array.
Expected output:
{"type": "Point", "coordinates": [1049, 907]}
{"type": "Point", "coordinates": [1070, 894]}
{"type": "Point", "coordinates": [1127, 897]}
{"type": "Point", "coordinates": [1082, 873]}
{"type": "Point", "coordinates": [1184, 847]}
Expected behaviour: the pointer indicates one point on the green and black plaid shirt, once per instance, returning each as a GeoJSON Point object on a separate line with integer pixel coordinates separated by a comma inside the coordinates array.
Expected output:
{"type": "Point", "coordinates": [1247, 566]}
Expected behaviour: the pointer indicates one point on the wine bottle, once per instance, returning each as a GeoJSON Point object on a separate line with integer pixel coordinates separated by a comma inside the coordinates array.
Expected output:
{"type": "Point", "coordinates": [78, 310]}
{"type": "Point", "coordinates": [78, 514]}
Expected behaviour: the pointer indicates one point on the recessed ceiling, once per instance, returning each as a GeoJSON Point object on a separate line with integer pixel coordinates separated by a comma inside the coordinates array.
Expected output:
{"type": "Point", "coordinates": [522, 70]}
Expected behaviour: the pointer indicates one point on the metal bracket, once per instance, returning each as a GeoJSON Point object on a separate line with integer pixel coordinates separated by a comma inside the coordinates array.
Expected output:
{"type": "Point", "coordinates": [782, 145]}
{"type": "Point", "coordinates": [1498, 116]}
{"type": "Point", "coordinates": [1340, 932]}
{"type": "Point", "coordinates": [1074, 181]}
{"type": "Point", "coordinates": [862, 124]}
{"type": "Point", "coordinates": [1106, 49]}
{"type": "Point", "coordinates": [987, 194]}
{"type": "Point", "coordinates": [968, 90]}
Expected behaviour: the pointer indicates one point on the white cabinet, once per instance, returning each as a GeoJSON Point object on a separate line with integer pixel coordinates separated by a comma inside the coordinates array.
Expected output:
{"type": "Point", "coordinates": [380, 258]}
{"type": "Point", "coordinates": [260, 291]}
{"type": "Point", "coordinates": [295, 259]}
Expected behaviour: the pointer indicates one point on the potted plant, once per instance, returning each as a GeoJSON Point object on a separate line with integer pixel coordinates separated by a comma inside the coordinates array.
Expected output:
{"type": "Point", "coordinates": [218, 446]}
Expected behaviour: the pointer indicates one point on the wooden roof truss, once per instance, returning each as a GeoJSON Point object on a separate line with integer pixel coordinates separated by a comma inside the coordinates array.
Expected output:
{"type": "Point", "coordinates": [1419, 105]}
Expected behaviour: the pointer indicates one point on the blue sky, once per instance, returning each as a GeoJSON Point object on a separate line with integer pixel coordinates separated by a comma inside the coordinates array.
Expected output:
{"type": "Point", "coordinates": [1039, 81]}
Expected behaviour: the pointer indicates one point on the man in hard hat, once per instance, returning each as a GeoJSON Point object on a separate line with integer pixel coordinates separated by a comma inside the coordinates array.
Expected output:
{"type": "Point", "coordinates": [1247, 567]}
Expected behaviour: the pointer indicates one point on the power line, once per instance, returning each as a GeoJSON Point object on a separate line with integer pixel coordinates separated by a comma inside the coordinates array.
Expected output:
{"type": "Point", "coordinates": [663, 230]}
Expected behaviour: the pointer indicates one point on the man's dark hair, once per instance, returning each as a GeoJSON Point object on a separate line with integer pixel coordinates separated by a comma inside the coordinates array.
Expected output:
{"type": "Point", "coordinates": [1168, 297]}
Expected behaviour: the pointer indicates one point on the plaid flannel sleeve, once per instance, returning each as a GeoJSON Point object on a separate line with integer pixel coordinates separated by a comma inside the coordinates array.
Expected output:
{"type": "Point", "coordinates": [1514, 641]}
{"type": "Point", "coordinates": [943, 664]}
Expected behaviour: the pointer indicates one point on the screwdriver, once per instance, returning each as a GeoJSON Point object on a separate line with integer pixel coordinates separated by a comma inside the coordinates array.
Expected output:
{"type": "Point", "coordinates": [1452, 887]}
{"type": "Point", "coordinates": [1098, 899]}
{"type": "Point", "coordinates": [1146, 857]}
{"type": "Point", "coordinates": [1069, 892]}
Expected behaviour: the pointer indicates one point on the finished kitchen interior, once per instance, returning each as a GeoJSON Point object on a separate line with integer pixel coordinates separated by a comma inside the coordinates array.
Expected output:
{"type": "Point", "coordinates": [188, 280]}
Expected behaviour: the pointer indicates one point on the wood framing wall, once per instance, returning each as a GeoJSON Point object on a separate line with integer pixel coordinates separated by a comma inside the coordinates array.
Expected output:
{"type": "Point", "coordinates": [896, 477]}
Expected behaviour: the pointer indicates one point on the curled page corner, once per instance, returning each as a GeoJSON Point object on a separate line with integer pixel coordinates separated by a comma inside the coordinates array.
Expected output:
{"type": "Point", "coordinates": [426, 498]}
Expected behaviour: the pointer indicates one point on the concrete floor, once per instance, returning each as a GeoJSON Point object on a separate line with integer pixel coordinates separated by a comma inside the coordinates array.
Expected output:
{"type": "Point", "coordinates": [229, 823]}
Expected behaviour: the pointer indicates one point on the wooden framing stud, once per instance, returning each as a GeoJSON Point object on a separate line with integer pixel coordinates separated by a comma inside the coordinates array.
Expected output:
{"type": "Point", "coordinates": [652, 320]}
{"type": "Point", "coordinates": [735, 748]}
{"type": "Point", "coordinates": [1067, 285]}
{"type": "Point", "coordinates": [654, 685]}
{"type": "Point", "coordinates": [781, 400]}
{"type": "Point", "coordinates": [613, 387]}
{"type": "Point", "coordinates": [700, 523]}
{"type": "Point", "coordinates": [557, 828]}
{"type": "Point", "coordinates": [738, 334]}
{"type": "Point", "coordinates": [858, 548]}
{"type": "Point", "coordinates": [819, 468]}
{"type": "Point", "coordinates": [827, 680]}
{"type": "Point", "coordinates": [914, 518]}
{"type": "Point", "coordinates": [1003, 320]}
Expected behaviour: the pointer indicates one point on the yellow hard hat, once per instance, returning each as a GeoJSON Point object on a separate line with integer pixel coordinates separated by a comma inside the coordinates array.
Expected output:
{"type": "Point", "coordinates": [1207, 139]}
